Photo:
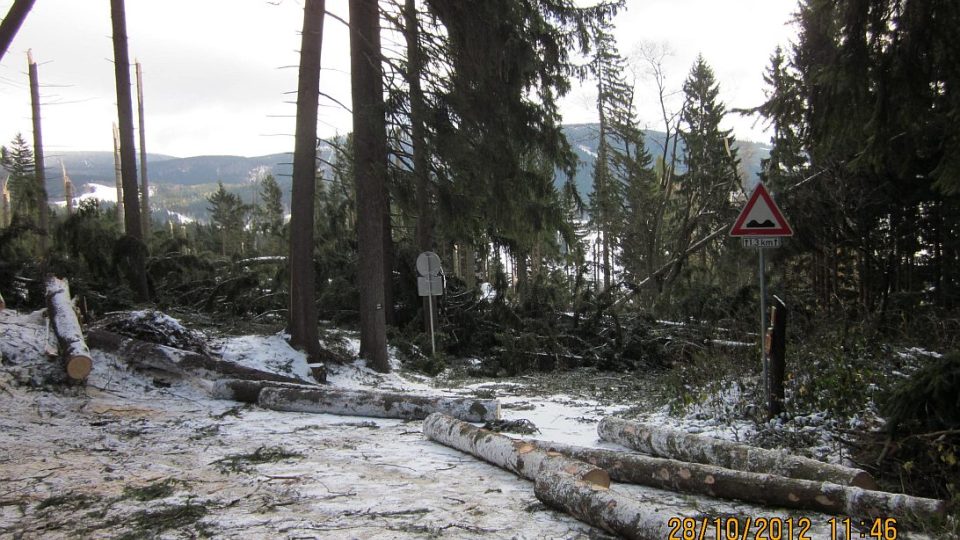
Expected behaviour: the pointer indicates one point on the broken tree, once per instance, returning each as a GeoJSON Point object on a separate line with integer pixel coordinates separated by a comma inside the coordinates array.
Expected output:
{"type": "Point", "coordinates": [766, 489]}
{"type": "Point", "coordinates": [63, 319]}
{"type": "Point", "coordinates": [668, 443]}
{"type": "Point", "coordinates": [376, 404]}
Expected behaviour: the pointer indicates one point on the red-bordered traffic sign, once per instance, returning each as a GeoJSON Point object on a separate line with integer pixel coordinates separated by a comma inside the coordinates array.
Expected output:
{"type": "Point", "coordinates": [761, 217]}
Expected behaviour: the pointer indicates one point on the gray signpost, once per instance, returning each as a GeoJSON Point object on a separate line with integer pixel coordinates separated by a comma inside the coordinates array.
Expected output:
{"type": "Point", "coordinates": [761, 225]}
{"type": "Point", "coordinates": [430, 284]}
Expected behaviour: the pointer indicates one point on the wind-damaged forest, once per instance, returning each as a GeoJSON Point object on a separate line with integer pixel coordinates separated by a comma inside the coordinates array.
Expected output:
{"type": "Point", "coordinates": [457, 148]}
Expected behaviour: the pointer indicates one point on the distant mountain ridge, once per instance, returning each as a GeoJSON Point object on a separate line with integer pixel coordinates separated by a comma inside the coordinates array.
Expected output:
{"type": "Point", "coordinates": [181, 185]}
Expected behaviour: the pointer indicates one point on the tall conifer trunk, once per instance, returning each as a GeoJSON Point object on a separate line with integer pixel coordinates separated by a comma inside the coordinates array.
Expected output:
{"type": "Point", "coordinates": [135, 250]}
{"type": "Point", "coordinates": [370, 170]}
{"type": "Point", "coordinates": [303, 308]}
{"type": "Point", "coordinates": [41, 177]}
{"type": "Point", "coordinates": [418, 139]}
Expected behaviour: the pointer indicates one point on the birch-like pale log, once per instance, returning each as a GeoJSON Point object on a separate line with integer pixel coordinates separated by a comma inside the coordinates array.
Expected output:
{"type": "Point", "coordinates": [668, 443]}
{"type": "Point", "coordinates": [519, 457]}
{"type": "Point", "coordinates": [605, 509]}
{"type": "Point", "coordinates": [63, 319]}
{"type": "Point", "coordinates": [760, 488]}
{"type": "Point", "coordinates": [377, 404]}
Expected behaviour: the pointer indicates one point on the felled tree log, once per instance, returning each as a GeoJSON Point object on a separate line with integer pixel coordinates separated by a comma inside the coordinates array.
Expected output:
{"type": "Point", "coordinates": [668, 443]}
{"type": "Point", "coordinates": [248, 391]}
{"type": "Point", "coordinates": [519, 457]}
{"type": "Point", "coordinates": [63, 319]}
{"type": "Point", "coordinates": [147, 355]}
{"type": "Point", "coordinates": [765, 489]}
{"type": "Point", "coordinates": [597, 505]}
{"type": "Point", "coordinates": [376, 404]}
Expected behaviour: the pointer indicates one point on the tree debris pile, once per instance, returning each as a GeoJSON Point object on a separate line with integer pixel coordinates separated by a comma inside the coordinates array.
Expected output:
{"type": "Point", "coordinates": [155, 327]}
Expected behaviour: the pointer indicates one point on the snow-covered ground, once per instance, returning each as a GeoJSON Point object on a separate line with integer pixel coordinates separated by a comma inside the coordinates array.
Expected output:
{"type": "Point", "coordinates": [133, 454]}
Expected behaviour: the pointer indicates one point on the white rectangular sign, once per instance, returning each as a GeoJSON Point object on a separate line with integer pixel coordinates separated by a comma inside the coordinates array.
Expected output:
{"type": "Point", "coordinates": [761, 242]}
{"type": "Point", "coordinates": [430, 286]}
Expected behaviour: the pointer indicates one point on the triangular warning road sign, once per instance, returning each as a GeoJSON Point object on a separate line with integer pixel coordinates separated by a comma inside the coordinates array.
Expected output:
{"type": "Point", "coordinates": [761, 217]}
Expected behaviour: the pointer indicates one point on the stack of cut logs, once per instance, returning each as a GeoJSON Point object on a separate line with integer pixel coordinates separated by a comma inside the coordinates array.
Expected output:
{"type": "Point", "coordinates": [576, 480]}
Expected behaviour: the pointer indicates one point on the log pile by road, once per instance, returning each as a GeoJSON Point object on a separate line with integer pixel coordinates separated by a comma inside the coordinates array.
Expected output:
{"type": "Point", "coordinates": [576, 480]}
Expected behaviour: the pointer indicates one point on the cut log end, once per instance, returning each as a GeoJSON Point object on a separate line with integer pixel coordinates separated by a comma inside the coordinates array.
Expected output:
{"type": "Point", "coordinates": [597, 478]}
{"type": "Point", "coordinates": [79, 367]}
{"type": "Point", "coordinates": [864, 480]}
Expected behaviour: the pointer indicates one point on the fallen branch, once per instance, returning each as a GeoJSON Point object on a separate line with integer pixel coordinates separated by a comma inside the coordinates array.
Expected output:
{"type": "Point", "coordinates": [519, 457]}
{"type": "Point", "coordinates": [376, 404]}
{"type": "Point", "coordinates": [765, 489]}
{"type": "Point", "coordinates": [73, 350]}
{"type": "Point", "coordinates": [147, 355]}
{"type": "Point", "coordinates": [668, 443]}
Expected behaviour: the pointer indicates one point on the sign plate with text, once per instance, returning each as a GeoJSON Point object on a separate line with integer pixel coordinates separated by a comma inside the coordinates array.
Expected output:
{"type": "Point", "coordinates": [761, 242]}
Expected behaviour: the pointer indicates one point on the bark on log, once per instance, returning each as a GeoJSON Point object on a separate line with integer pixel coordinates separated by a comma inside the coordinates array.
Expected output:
{"type": "Point", "coordinates": [599, 506]}
{"type": "Point", "coordinates": [377, 404]}
{"type": "Point", "coordinates": [73, 350]}
{"type": "Point", "coordinates": [519, 457]}
{"type": "Point", "coordinates": [761, 488]}
{"type": "Point", "coordinates": [662, 442]}
{"type": "Point", "coordinates": [144, 354]}
{"type": "Point", "coordinates": [248, 391]}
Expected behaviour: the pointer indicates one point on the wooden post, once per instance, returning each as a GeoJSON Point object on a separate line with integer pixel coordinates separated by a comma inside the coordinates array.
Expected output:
{"type": "Point", "coordinates": [38, 154]}
{"type": "Point", "coordinates": [777, 357]}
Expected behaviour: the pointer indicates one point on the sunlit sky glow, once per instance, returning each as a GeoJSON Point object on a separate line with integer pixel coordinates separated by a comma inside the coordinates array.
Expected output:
{"type": "Point", "coordinates": [219, 74]}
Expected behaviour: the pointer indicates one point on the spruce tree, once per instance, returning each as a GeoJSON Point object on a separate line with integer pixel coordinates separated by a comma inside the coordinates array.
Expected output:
{"type": "Point", "coordinates": [228, 214]}
{"type": "Point", "coordinates": [18, 161]}
{"type": "Point", "coordinates": [711, 176]}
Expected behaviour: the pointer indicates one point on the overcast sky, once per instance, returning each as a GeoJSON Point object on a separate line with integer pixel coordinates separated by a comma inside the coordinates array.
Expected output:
{"type": "Point", "coordinates": [218, 74]}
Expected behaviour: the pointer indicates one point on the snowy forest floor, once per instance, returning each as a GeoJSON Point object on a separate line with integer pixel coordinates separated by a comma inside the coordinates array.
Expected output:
{"type": "Point", "coordinates": [134, 454]}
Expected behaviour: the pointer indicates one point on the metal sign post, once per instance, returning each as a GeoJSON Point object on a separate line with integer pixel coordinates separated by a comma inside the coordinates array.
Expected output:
{"type": "Point", "coordinates": [430, 284]}
{"type": "Point", "coordinates": [761, 225]}
{"type": "Point", "coordinates": [763, 325]}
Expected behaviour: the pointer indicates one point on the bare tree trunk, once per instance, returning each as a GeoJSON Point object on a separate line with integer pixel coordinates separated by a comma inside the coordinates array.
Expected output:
{"type": "Point", "coordinates": [144, 183]}
{"type": "Point", "coordinates": [5, 204]}
{"type": "Point", "coordinates": [41, 176]}
{"type": "Point", "coordinates": [376, 404]}
{"type": "Point", "coordinates": [673, 444]}
{"type": "Point", "coordinates": [370, 170]}
{"type": "Point", "coordinates": [136, 250]}
{"type": "Point", "coordinates": [519, 457]}
{"type": "Point", "coordinates": [67, 189]}
{"type": "Point", "coordinates": [759, 488]}
{"type": "Point", "coordinates": [118, 174]}
{"type": "Point", "coordinates": [63, 319]}
{"type": "Point", "coordinates": [418, 140]}
{"type": "Point", "coordinates": [606, 509]}
{"type": "Point", "coordinates": [11, 24]}
{"type": "Point", "coordinates": [303, 308]}
{"type": "Point", "coordinates": [421, 171]}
